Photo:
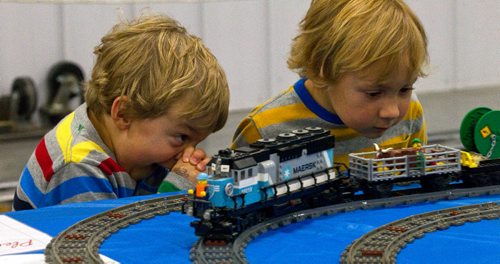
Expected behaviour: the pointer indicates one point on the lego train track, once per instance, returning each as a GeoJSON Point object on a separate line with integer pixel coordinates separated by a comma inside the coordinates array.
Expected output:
{"type": "Point", "coordinates": [382, 244]}
{"type": "Point", "coordinates": [80, 243]}
{"type": "Point", "coordinates": [213, 252]}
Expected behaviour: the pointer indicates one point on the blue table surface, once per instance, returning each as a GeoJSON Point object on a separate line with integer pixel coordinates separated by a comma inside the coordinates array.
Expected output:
{"type": "Point", "coordinates": [321, 240]}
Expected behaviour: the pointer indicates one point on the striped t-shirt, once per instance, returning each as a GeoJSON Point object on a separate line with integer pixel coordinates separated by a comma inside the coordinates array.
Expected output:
{"type": "Point", "coordinates": [72, 164]}
{"type": "Point", "coordinates": [295, 108]}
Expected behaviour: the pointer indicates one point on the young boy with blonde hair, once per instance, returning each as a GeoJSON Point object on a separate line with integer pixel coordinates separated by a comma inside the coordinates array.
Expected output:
{"type": "Point", "coordinates": [358, 60]}
{"type": "Point", "coordinates": [155, 92]}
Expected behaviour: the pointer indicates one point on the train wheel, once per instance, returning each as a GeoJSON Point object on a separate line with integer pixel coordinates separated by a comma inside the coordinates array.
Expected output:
{"type": "Point", "coordinates": [248, 221]}
{"type": "Point", "coordinates": [327, 197]}
{"type": "Point", "coordinates": [436, 182]}
{"type": "Point", "coordinates": [495, 177]}
{"type": "Point", "coordinates": [378, 190]}
{"type": "Point", "coordinates": [476, 180]}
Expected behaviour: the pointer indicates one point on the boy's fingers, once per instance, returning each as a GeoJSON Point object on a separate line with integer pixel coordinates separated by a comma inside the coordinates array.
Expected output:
{"type": "Point", "coordinates": [197, 156]}
{"type": "Point", "coordinates": [203, 164]}
{"type": "Point", "coordinates": [187, 153]}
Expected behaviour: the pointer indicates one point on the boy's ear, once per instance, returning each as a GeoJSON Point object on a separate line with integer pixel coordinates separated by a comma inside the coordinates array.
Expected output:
{"type": "Point", "coordinates": [117, 113]}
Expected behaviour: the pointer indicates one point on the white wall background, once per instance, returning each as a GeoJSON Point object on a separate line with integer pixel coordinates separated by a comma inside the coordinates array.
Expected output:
{"type": "Point", "coordinates": [251, 38]}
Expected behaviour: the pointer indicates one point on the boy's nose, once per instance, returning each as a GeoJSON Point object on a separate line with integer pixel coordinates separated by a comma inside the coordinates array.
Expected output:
{"type": "Point", "coordinates": [389, 110]}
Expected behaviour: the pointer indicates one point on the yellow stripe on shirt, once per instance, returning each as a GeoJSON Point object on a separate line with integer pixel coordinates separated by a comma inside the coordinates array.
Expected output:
{"type": "Point", "coordinates": [283, 114]}
{"type": "Point", "coordinates": [64, 136]}
{"type": "Point", "coordinates": [82, 149]}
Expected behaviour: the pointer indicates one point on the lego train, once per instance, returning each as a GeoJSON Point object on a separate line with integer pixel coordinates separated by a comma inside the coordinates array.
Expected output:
{"type": "Point", "coordinates": [296, 171]}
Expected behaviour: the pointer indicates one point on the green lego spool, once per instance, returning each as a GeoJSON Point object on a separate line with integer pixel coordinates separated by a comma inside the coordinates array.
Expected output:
{"type": "Point", "coordinates": [468, 127]}
{"type": "Point", "coordinates": [487, 134]}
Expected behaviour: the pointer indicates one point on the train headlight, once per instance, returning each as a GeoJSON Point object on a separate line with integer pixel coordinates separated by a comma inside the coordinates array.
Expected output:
{"type": "Point", "coordinates": [207, 214]}
{"type": "Point", "coordinates": [228, 189]}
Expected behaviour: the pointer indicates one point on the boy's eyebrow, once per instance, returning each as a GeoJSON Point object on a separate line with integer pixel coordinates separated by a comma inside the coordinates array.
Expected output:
{"type": "Point", "coordinates": [384, 85]}
{"type": "Point", "coordinates": [186, 124]}
{"type": "Point", "coordinates": [191, 128]}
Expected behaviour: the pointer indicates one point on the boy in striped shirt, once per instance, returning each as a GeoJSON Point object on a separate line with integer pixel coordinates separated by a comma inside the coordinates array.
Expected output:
{"type": "Point", "coordinates": [358, 61]}
{"type": "Point", "coordinates": [155, 92]}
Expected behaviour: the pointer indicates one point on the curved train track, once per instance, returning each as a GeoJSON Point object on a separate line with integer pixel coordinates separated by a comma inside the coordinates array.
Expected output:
{"type": "Point", "coordinates": [210, 252]}
{"type": "Point", "coordinates": [383, 244]}
{"type": "Point", "coordinates": [80, 243]}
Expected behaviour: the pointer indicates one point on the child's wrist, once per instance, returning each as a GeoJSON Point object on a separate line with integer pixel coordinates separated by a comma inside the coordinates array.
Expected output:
{"type": "Point", "coordinates": [175, 182]}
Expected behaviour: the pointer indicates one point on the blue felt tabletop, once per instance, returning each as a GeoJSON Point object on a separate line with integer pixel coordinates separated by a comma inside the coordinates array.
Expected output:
{"type": "Point", "coordinates": [321, 240]}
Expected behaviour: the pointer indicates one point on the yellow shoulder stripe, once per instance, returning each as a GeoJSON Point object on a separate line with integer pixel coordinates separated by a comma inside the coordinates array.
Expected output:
{"type": "Point", "coordinates": [64, 136]}
{"type": "Point", "coordinates": [283, 114]}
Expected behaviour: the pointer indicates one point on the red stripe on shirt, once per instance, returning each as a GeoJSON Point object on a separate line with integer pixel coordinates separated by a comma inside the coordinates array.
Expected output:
{"type": "Point", "coordinates": [109, 166]}
{"type": "Point", "coordinates": [44, 160]}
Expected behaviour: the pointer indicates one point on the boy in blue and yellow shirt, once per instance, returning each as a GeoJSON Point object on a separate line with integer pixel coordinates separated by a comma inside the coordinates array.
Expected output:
{"type": "Point", "coordinates": [358, 61]}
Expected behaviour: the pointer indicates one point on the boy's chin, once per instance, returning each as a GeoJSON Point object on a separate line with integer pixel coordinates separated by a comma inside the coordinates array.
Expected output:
{"type": "Point", "coordinates": [373, 134]}
{"type": "Point", "coordinates": [156, 165]}
{"type": "Point", "coordinates": [168, 165]}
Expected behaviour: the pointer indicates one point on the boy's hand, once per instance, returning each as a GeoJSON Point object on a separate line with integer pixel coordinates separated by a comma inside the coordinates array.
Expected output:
{"type": "Point", "coordinates": [196, 157]}
{"type": "Point", "coordinates": [193, 162]}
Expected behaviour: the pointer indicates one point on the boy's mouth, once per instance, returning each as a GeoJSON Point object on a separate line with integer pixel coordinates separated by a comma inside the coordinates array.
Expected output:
{"type": "Point", "coordinates": [381, 128]}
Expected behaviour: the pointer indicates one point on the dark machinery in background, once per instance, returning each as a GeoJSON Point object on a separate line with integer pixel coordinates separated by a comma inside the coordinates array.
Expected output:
{"type": "Point", "coordinates": [19, 106]}
{"type": "Point", "coordinates": [65, 92]}
{"type": "Point", "coordinates": [23, 99]}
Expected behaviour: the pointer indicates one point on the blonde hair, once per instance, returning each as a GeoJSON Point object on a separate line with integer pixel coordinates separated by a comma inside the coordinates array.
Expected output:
{"type": "Point", "coordinates": [154, 62]}
{"type": "Point", "coordinates": [338, 36]}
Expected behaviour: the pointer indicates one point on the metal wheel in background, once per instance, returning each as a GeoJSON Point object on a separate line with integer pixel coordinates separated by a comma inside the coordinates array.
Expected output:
{"type": "Point", "coordinates": [23, 99]}
{"type": "Point", "coordinates": [60, 69]}
{"type": "Point", "coordinates": [65, 91]}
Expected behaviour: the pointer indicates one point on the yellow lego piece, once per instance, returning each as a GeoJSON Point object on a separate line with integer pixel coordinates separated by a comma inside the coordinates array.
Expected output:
{"type": "Point", "coordinates": [470, 159]}
{"type": "Point", "coordinates": [485, 132]}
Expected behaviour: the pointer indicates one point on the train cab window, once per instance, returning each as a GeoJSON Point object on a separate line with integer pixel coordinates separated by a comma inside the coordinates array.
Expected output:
{"type": "Point", "coordinates": [243, 175]}
{"type": "Point", "coordinates": [236, 176]}
{"type": "Point", "coordinates": [250, 172]}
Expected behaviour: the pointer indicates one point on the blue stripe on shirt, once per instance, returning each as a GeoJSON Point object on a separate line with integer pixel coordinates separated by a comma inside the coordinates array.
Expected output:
{"type": "Point", "coordinates": [124, 192]}
{"type": "Point", "coordinates": [29, 188]}
{"type": "Point", "coordinates": [309, 101]}
{"type": "Point", "coordinates": [69, 189]}
{"type": "Point", "coordinates": [80, 185]}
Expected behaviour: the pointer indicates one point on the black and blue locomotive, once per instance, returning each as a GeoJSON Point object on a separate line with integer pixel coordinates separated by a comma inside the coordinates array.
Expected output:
{"type": "Point", "coordinates": [266, 179]}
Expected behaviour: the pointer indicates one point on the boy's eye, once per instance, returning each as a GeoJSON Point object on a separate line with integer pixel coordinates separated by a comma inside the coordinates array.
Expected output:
{"type": "Point", "coordinates": [180, 138]}
{"type": "Point", "coordinates": [405, 90]}
{"type": "Point", "coordinates": [373, 94]}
